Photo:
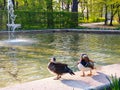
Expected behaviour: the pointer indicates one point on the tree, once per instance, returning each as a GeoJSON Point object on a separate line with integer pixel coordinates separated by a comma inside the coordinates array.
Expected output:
{"type": "Point", "coordinates": [68, 5]}
{"type": "Point", "coordinates": [106, 14]}
{"type": "Point", "coordinates": [119, 16]}
{"type": "Point", "coordinates": [114, 9]}
{"type": "Point", "coordinates": [50, 23]}
{"type": "Point", "coordinates": [74, 16]}
{"type": "Point", "coordinates": [84, 8]}
{"type": "Point", "coordinates": [75, 6]}
{"type": "Point", "coordinates": [111, 8]}
{"type": "Point", "coordinates": [105, 6]}
{"type": "Point", "coordinates": [4, 3]}
{"type": "Point", "coordinates": [13, 1]}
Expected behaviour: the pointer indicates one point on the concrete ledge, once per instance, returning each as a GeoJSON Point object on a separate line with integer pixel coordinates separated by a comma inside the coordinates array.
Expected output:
{"type": "Point", "coordinates": [96, 82]}
{"type": "Point", "coordinates": [63, 30]}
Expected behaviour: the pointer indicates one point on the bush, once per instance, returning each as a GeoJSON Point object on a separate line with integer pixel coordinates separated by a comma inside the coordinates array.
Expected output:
{"type": "Point", "coordinates": [114, 83]}
{"type": "Point", "coordinates": [38, 20]}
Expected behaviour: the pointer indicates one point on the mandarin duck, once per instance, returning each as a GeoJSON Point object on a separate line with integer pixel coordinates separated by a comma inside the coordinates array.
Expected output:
{"type": "Point", "coordinates": [85, 64]}
{"type": "Point", "coordinates": [58, 68]}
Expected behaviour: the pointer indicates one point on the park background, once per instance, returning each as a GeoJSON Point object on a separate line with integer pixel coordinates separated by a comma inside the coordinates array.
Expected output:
{"type": "Point", "coordinates": [45, 14]}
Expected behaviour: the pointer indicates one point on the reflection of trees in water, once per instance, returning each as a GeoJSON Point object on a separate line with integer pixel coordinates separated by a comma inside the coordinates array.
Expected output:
{"type": "Point", "coordinates": [14, 73]}
{"type": "Point", "coordinates": [11, 67]}
{"type": "Point", "coordinates": [71, 43]}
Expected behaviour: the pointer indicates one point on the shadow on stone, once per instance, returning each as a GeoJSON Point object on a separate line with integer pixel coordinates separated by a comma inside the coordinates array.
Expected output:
{"type": "Point", "coordinates": [75, 83]}
{"type": "Point", "coordinates": [101, 77]}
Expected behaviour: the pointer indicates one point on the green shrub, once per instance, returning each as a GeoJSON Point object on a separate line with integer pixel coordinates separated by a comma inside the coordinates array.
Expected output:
{"type": "Point", "coordinates": [31, 19]}
{"type": "Point", "coordinates": [114, 83]}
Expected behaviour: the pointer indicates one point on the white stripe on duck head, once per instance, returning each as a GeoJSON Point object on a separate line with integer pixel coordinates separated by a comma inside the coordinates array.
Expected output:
{"type": "Point", "coordinates": [84, 55]}
{"type": "Point", "coordinates": [53, 59]}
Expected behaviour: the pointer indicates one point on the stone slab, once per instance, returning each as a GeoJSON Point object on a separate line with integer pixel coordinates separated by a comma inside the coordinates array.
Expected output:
{"type": "Point", "coordinates": [68, 82]}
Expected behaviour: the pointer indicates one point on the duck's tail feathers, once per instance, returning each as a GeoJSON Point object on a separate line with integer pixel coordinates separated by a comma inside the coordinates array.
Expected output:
{"type": "Point", "coordinates": [97, 67]}
{"type": "Point", "coordinates": [71, 72]}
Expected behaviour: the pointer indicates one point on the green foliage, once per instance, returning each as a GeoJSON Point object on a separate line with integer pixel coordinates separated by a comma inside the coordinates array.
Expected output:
{"type": "Point", "coordinates": [91, 20]}
{"type": "Point", "coordinates": [118, 28]}
{"type": "Point", "coordinates": [98, 19]}
{"type": "Point", "coordinates": [43, 20]}
{"type": "Point", "coordinates": [38, 20]}
{"type": "Point", "coordinates": [114, 83]}
{"type": "Point", "coordinates": [3, 19]}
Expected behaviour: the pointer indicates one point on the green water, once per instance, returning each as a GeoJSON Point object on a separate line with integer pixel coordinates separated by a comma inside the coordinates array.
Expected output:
{"type": "Point", "coordinates": [27, 62]}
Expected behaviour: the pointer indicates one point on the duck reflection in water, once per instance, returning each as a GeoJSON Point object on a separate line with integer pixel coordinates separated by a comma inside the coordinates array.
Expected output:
{"type": "Point", "coordinates": [58, 68]}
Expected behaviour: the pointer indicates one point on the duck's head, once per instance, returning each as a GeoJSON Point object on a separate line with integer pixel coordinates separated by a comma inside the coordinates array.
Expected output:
{"type": "Point", "coordinates": [53, 59]}
{"type": "Point", "coordinates": [83, 56]}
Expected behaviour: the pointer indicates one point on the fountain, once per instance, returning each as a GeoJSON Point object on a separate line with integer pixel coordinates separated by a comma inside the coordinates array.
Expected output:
{"type": "Point", "coordinates": [12, 40]}
{"type": "Point", "coordinates": [11, 19]}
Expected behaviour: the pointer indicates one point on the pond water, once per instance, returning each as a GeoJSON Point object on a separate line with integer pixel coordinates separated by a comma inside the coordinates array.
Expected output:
{"type": "Point", "coordinates": [25, 58]}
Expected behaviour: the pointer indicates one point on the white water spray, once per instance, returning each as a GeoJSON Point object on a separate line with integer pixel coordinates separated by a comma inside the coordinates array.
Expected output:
{"type": "Point", "coordinates": [11, 19]}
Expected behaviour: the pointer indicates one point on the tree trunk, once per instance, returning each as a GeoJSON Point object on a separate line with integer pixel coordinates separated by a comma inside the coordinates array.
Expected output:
{"type": "Point", "coordinates": [25, 3]}
{"type": "Point", "coordinates": [82, 6]}
{"type": "Point", "coordinates": [75, 6]}
{"type": "Point", "coordinates": [111, 20]}
{"type": "Point", "coordinates": [50, 23]}
{"type": "Point", "coordinates": [106, 13]}
{"type": "Point", "coordinates": [101, 14]}
{"type": "Point", "coordinates": [119, 16]}
{"type": "Point", "coordinates": [1, 21]}
{"type": "Point", "coordinates": [114, 9]}
{"type": "Point", "coordinates": [4, 3]}
{"type": "Point", "coordinates": [87, 13]}
{"type": "Point", "coordinates": [68, 6]}
{"type": "Point", "coordinates": [112, 15]}
{"type": "Point", "coordinates": [62, 4]}
{"type": "Point", "coordinates": [16, 4]}
{"type": "Point", "coordinates": [74, 16]}
{"type": "Point", "coordinates": [13, 1]}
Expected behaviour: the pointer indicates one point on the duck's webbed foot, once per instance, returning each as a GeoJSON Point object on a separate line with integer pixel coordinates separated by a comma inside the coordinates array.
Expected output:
{"type": "Point", "coordinates": [83, 74]}
{"type": "Point", "coordinates": [58, 77]}
{"type": "Point", "coordinates": [90, 74]}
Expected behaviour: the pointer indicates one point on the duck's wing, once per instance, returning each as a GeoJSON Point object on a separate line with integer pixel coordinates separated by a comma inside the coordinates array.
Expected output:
{"type": "Point", "coordinates": [58, 64]}
{"type": "Point", "coordinates": [57, 68]}
{"type": "Point", "coordinates": [61, 68]}
{"type": "Point", "coordinates": [90, 65]}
